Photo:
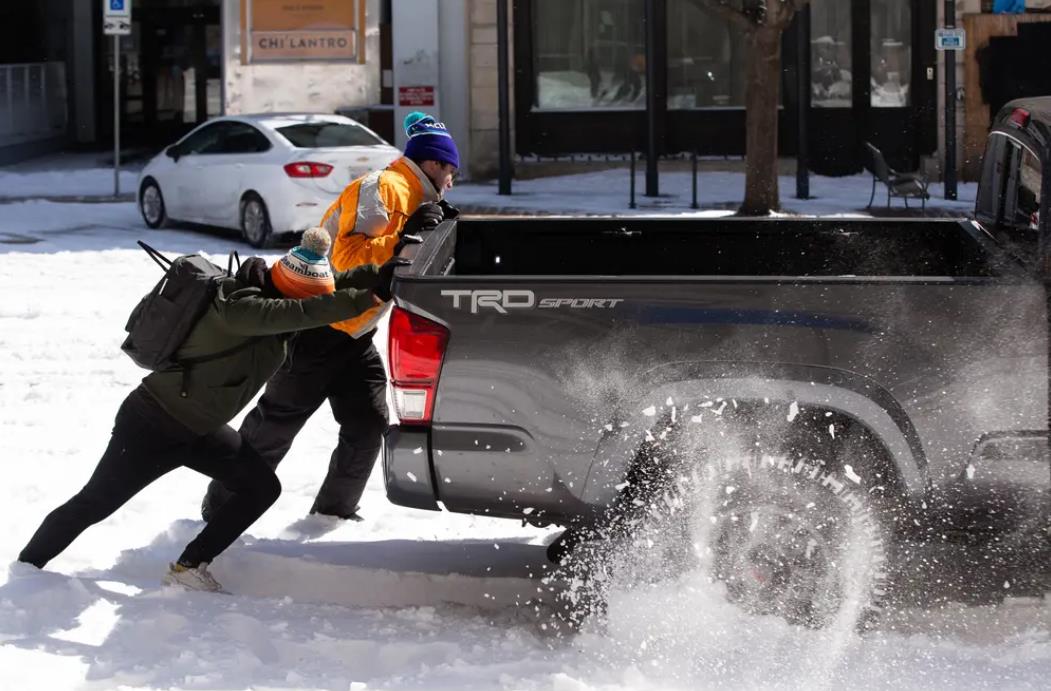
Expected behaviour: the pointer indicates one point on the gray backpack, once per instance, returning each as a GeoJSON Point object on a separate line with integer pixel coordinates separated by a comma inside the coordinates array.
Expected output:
{"type": "Point", "coordinates": [162, 320]}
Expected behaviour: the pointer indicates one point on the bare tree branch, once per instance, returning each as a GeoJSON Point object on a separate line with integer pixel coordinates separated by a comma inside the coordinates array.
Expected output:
{"type": "Point", "coordinates": [722, 8]}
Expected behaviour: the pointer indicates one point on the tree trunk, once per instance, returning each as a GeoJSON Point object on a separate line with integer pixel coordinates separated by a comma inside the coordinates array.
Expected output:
{"type": "Point", "coordinates": [762, 91]}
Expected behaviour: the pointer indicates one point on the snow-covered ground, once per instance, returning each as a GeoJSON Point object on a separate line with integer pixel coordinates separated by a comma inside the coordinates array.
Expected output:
{"type": "Point", "coordinates": [405, 599]}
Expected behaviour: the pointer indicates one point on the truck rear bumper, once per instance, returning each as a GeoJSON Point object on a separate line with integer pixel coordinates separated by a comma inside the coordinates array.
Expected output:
{"type": "Point", "coordinates": [407, 468]}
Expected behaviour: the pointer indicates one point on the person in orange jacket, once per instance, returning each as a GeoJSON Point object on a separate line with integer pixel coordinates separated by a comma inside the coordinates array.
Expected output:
{"type": "Point", "coordinates": [370, 222]}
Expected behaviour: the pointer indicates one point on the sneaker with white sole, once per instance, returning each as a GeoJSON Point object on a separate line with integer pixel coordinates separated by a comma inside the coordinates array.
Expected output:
{"type": "Point", "coordinates": [192, 578]}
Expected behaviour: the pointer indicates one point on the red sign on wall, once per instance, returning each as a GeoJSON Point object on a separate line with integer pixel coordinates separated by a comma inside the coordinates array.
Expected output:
{"type": "Point", "coordinates": [414, 96]}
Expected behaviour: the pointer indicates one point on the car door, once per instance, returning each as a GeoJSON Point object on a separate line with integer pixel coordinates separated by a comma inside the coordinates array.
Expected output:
{"type": "Point", "coordinates": [191, 173]}
{"type": "Point", "coordinates": [225, 163]}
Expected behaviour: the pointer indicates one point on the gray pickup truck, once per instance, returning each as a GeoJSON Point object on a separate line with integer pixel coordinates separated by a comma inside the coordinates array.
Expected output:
{"type": "Point", "coordinates": [552, 370]}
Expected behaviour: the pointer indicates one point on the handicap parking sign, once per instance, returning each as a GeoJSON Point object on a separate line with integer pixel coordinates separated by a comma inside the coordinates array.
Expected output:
{"type": "Point", "coordinates": [116, 8]}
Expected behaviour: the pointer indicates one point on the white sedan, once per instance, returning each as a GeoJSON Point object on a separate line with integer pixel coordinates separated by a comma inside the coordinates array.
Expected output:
{"type": "Point", "coordinates": [261, 174]}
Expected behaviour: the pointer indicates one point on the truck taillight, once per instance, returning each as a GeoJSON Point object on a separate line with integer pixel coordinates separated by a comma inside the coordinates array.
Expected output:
{"type": "Point", "coordinates": [416, 351]}
{"type": "Point", "coordinates": [307, 169]}
{"type": "Point", "coordinates": [1020, 117]}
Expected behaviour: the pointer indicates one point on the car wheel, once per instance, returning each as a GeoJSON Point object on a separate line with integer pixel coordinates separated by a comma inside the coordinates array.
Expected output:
{"type": "Point", "coordinates": [151, 204]}
{"type": "Point", "coordinates": [255, 221]}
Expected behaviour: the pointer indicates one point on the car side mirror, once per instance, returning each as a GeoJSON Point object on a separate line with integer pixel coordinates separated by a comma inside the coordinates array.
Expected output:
{"type": "Point", "coordinates": [174, 152]}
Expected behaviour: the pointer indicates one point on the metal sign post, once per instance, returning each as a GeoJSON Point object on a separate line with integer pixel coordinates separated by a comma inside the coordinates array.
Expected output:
{"type": "Point", "coordinates": [949, 40]}
{"type": "Point", "coordinates": [116, 22]}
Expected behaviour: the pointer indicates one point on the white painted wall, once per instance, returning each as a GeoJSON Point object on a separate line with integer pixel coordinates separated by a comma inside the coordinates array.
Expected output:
{"type": "Point", "coordinates": [299, 86]}
{"type": "Point", "coordinates": [454, 93]}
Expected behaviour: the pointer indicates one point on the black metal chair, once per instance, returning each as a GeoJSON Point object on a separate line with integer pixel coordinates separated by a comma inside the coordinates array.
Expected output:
{"type": "Point", "coordinates": [902, 185]}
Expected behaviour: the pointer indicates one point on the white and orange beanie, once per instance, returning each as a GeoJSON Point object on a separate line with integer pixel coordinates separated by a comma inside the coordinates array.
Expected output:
{"type": "Point", "coordinates": [305, 272]}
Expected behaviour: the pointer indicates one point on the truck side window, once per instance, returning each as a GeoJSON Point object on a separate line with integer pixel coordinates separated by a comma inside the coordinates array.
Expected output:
{"type": "Point", "coordinates": [1030, 177]}
{"type": "Point", "coordinates": [990, 189]}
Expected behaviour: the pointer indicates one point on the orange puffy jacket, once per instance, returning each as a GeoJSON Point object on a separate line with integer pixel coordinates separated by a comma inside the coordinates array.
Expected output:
{"type": "Point", "coordinates": [366, 221]}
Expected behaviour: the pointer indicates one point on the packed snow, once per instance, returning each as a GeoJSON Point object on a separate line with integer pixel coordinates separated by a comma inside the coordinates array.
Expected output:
{"type": "Point", "coordinates": [403, 599]}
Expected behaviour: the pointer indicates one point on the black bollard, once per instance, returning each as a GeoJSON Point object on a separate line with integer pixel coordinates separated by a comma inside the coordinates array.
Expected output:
{"type": "Point", "coordinates": [631, 186]}
{"type": "Point", "coordinates": [694, 157]}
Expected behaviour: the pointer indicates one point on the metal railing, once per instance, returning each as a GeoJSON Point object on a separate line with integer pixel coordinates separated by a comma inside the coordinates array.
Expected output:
{"type": "Point", "coordinates": [33, 103]}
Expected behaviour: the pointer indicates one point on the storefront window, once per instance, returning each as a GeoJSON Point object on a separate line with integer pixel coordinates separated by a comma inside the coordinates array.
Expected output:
{"type": "Point", "coordinates": [589, 54]}
{"type": "Point", "coordinates": [830, 54]}
{"type": "Point", "coordinates": [706, 56]}
{"type": "Point", "coordinates": [891, 44]}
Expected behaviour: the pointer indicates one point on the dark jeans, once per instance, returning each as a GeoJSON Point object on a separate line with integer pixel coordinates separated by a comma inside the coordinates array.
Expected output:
{"type": "Point", "coordinates": [325, 364]}
{"type": "Point", "coordinates": [147, 443]}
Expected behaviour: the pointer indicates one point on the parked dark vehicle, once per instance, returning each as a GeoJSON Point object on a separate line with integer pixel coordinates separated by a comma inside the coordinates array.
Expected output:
{"type": "Point", "coordinates": [887, 374]}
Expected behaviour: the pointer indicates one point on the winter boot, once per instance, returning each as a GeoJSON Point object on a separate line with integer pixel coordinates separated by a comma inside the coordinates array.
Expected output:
{"type": "Point", "coordinates": [192, 578]}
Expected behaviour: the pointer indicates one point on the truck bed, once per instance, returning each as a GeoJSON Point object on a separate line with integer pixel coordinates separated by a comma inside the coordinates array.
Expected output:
{"type": "Point", "coordinates": [568, 338]}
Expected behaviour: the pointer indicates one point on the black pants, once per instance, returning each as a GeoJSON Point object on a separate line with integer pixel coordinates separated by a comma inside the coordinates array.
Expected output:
{"type": "Point", "coordinates": [147, 443]}
{"type": "Point", "coordinates": [325, 364]}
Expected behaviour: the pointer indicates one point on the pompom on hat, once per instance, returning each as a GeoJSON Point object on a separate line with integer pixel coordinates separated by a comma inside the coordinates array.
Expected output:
{"type": "Point", "coordinates": [305, 272]}
{"type": "Point", "coordinates": [429, 140]}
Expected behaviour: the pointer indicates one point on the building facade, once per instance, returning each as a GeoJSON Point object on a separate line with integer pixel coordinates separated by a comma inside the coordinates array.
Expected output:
{"type": "Point", "coordinates": [578, 78]}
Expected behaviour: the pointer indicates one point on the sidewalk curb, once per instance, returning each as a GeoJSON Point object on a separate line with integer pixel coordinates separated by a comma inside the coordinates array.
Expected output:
{"type": "Point", "coordinates": [70, 198]}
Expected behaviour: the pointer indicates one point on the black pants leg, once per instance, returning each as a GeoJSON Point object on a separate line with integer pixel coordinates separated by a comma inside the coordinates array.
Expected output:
{"type": "Point", "coordinates": [138, 453]}
{"type": "Point", "coordinates": [254, 488]}
{"type": "Point", "coordinates": [359, 404]}
{"type": "Point", "coordinates": [147, 443]}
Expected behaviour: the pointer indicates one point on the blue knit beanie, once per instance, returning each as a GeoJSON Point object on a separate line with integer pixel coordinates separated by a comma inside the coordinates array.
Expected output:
{"type": "Point", "coordinates": [429, 140]}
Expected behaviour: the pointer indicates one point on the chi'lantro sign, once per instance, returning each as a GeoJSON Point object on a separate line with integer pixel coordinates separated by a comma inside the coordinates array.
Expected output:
{"type": "Point", "coordinates": [302, 30]}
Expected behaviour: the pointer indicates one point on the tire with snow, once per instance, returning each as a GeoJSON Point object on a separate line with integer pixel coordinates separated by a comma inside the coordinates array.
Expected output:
{"type": "Point", "coordinates": [151, 204]}
{"type": "Point", "coordinates": [788, 535]}
{"type": "Point", "coordinates": [795, 539]}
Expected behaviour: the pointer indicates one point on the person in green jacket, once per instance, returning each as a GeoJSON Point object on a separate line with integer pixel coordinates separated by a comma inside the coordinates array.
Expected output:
{"type": "Point", "coordinates": [179, 418]}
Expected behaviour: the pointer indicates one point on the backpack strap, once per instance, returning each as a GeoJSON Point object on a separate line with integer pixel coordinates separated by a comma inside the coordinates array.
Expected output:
{"type": "Point", "coordinates": [156, 256]}
{"type": "Point", "coordinates": [230, 263]}
{"type": "Point", "coordinates": [187, 363]}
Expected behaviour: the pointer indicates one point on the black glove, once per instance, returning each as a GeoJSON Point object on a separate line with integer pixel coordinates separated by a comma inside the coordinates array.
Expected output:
{"type": "Point", "coordinates": [404, 240]}
{"type": "Point", "coordinates": [448, 210]}
{"type": "Point", "coordinates": [252, 273]}
{"type": "Point", "coordinates": [385, 277]}
{"type": "Point", "coordinates": [427, 217]}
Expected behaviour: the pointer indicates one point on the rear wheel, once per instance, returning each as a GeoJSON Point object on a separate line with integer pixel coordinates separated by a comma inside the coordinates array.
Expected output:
{"type": "Point", "coordinates": [797, 540]}
{"type": "Point", "coordinates": [151, 204]}
{"type": "Point", "coordinates": [255, 221]}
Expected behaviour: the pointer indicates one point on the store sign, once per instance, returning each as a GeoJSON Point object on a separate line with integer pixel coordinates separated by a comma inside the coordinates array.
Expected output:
{"type": "Point", "coordinates": [304, 30]}
{"type": "Point", "coordinates": [950, 39]}
{"type": "Point", "coordinates": [416, 96]}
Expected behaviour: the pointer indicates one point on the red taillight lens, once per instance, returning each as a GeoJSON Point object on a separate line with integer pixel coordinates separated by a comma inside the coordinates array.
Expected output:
{"type": "Point", "coordinates": [416, 349]}
{"type": "Point", "coordinates": [307, 169]}
{"type": "Point", "coordinates": [1020, 117]}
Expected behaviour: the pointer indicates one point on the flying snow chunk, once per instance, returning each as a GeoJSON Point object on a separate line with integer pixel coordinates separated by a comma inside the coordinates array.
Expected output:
{"type": "Point", "coordinates": [851, 475]}
{"type": "Point", "coordinates": [608, 428]}
{"type": "Point", "coordinates": [832, 431]}
{"type": "Point", "coordinates": [528, 510]}
{"type": "Point", "coordinates": [793, 411]}
{"type": "Point", "coordinates": [650, 412]}
{"type": "Point", "coordinates": [669, 402]}
{"type": "Point", "coordinates": [410, 476]}
{"type": "Point", "coordinates": [417, 450]}
{"type": "Point", "coordinates": [621, 486]}
{"type": "Point", "coordinates": [696, 418]}
{"type": "Point", "coordinates": [970, 471]}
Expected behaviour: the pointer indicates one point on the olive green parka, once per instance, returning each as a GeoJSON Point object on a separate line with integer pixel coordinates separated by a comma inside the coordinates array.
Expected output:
{"type": "Point", "coordinates": [209, 394]}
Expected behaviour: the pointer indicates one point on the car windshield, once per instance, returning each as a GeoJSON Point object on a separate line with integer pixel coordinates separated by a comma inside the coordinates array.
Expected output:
{"type": "Point", "coordinates": [323, 135]}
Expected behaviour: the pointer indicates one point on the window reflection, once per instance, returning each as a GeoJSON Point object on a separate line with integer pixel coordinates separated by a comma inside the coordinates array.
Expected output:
{"type": "Point", "coordinates": [706, 58]}
{"type": "Point", "coordinates": [589, 54]}
{"type": "Point", "coordinates": [830, 54]}
{"type": "Point", "coordinates": [891, 45]}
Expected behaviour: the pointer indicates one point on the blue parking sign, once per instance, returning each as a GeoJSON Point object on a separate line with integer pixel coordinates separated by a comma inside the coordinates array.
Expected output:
{"type": "Point", "coordinates": [116, 5]}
